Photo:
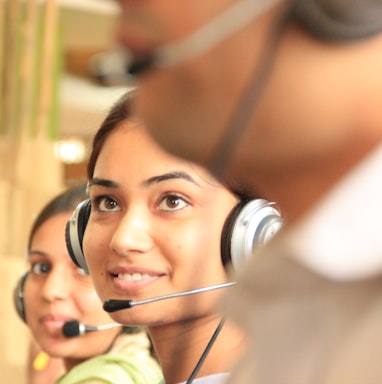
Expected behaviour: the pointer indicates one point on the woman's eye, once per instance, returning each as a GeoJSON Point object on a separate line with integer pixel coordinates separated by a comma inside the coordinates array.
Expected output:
{"type": "Point", "coordinates": [40, 268]}
{"type": "Point", "coordinates": [172, 203]}
{"type": "Point", "coordinates": [105, 204]}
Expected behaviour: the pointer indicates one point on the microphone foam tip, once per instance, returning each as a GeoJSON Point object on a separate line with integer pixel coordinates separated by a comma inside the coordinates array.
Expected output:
{"type": "Point", "coordinates": [71, 329]}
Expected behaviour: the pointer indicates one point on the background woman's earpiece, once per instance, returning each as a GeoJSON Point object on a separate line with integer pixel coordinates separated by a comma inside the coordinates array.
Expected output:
{"type": "Point", "coordinates": [18, 297]}
{"type": "Point", "coordinates": [74, 233]}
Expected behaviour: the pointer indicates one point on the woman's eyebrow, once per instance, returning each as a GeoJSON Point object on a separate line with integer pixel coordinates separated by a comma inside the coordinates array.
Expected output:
{"type": "Point", "coordinates": [103, 183]}
{"type": "Point", "coordinates": [36, 252]}
{"type": "Point", "coordinates": [170, 176]}
{"type": "Point", "coordinates": [152, 180]}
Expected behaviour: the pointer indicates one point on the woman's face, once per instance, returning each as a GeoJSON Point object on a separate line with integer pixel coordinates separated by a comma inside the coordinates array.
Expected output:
{"type": "Point", "coordinates": [56, 291]}
{"type": "Point", "coordinates": [154, 229]}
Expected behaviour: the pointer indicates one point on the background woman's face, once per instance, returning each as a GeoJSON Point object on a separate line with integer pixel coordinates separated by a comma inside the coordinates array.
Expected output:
{"type": "Point", "coordinates": [57, 291]}
{"type": "Point", "coordinates": [154, 228]}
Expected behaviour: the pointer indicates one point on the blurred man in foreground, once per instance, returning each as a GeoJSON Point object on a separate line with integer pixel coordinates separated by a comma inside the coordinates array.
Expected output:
{"type": "Point", "coordinates": [283, 96]}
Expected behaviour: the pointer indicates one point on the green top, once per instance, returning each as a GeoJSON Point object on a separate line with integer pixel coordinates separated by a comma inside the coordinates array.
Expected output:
{"type": "Point", "coordinates": [127, 362]}
{"type": "Point", "coordinates": [114, 369]}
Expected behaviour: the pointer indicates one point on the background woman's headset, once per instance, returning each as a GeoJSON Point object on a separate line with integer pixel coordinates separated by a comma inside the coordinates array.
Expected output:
{"type": "Point", "coordinates": [250, 224]}
{"type": "Point", "coordinates": [18, 297]}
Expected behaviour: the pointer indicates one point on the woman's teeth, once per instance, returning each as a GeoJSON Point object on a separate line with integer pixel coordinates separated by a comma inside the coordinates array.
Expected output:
{"type": "Point", "coordinates": [133, 276]}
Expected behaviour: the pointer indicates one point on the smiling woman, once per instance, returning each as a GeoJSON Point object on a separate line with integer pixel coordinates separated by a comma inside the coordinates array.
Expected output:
{"type": "Point", "coordinates": [154, 234]}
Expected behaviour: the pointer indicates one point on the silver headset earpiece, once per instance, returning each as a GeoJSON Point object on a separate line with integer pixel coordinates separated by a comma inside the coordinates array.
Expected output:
{"type": "Point", "coordinates": [251, 224]}
{"type": "Point", "coordinates": [74, 233]}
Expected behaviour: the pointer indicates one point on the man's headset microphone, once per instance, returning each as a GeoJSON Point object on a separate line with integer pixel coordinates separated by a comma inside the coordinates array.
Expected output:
{"type": "Point", "coordinates": [331, 20]}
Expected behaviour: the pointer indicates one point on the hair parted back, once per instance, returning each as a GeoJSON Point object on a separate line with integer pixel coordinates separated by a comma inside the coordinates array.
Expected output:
{"type": "Point", "coordinates": [119, 112]}
{"type": "Point", "coordinates": [123, 110]}
{"type": "Point", "coordinates": [64, 202]}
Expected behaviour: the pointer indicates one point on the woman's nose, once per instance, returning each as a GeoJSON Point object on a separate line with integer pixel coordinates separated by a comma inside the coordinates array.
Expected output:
{"type": "Point", "coordinates": [57, 285]}
{"type": "Point", "coordinates": [132, 233]}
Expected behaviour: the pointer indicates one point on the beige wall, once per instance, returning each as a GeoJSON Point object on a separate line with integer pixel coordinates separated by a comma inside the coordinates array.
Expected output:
{"type": "Point", "coordinates": [14, 334]}
{"type": "Point", "coordinates": [26, 185]}
{"type": "Point", "coordinates": [29, 173]}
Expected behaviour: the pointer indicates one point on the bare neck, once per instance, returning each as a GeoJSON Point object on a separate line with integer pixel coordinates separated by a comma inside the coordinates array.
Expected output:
{"type": "Point", "coordinates": [179, 347]}
{"type": "Point", "coordinates": [70, 363]}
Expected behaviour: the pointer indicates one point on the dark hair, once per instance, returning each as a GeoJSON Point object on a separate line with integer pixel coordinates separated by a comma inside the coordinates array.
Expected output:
{"type": "Point", "coordinates": [119, 112]}
{"type": "Point", "coordinates": [64, 202]}
{"type": "Point", "coordinates": [123, 110]}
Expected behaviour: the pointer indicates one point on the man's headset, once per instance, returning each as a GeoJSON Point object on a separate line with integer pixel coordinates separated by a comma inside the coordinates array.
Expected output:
{"type": "Point", "coordinates": [330, 20]}
{"type": "Point", "coordinates": [249, 225]}
{"type": "Point", "coordinates": [339, 20]}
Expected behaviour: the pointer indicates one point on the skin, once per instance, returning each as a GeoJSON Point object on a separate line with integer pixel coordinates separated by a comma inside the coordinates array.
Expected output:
{"type": "Point", "coordinates": [319, 112]}
{"type": "Point", "coordinates": [49, 373]}
{"type": "Point", "coordinates": [147, 236]}
{"type": "Point", "coordinates": [57, 291]}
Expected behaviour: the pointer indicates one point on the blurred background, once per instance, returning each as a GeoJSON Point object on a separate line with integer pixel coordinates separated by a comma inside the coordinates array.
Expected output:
{"type": "Point", "coordinates": [54, 93]}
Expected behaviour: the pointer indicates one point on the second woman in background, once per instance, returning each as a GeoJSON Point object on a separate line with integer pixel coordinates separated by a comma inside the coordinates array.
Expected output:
{"type": "Point", "coordinates": [55, 292]}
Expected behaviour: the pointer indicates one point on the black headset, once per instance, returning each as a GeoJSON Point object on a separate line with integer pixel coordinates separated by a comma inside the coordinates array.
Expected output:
{"type": "Point", "coordinates": [18, 296]}
{"type": "Point", "coordinates": [250, 224]}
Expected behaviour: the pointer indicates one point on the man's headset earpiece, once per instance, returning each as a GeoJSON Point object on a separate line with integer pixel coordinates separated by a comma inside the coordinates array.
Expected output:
{"type": "Point", "coordinates": [249, 225]}
{"type": "Point", "coordinates": [339, 20]}
{"type": "Point", "coordinates": [18, 297]}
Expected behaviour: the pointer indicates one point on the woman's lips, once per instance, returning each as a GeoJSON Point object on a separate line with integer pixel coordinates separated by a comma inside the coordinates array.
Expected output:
{"type": "Point", "coordinates": [54, 321]}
